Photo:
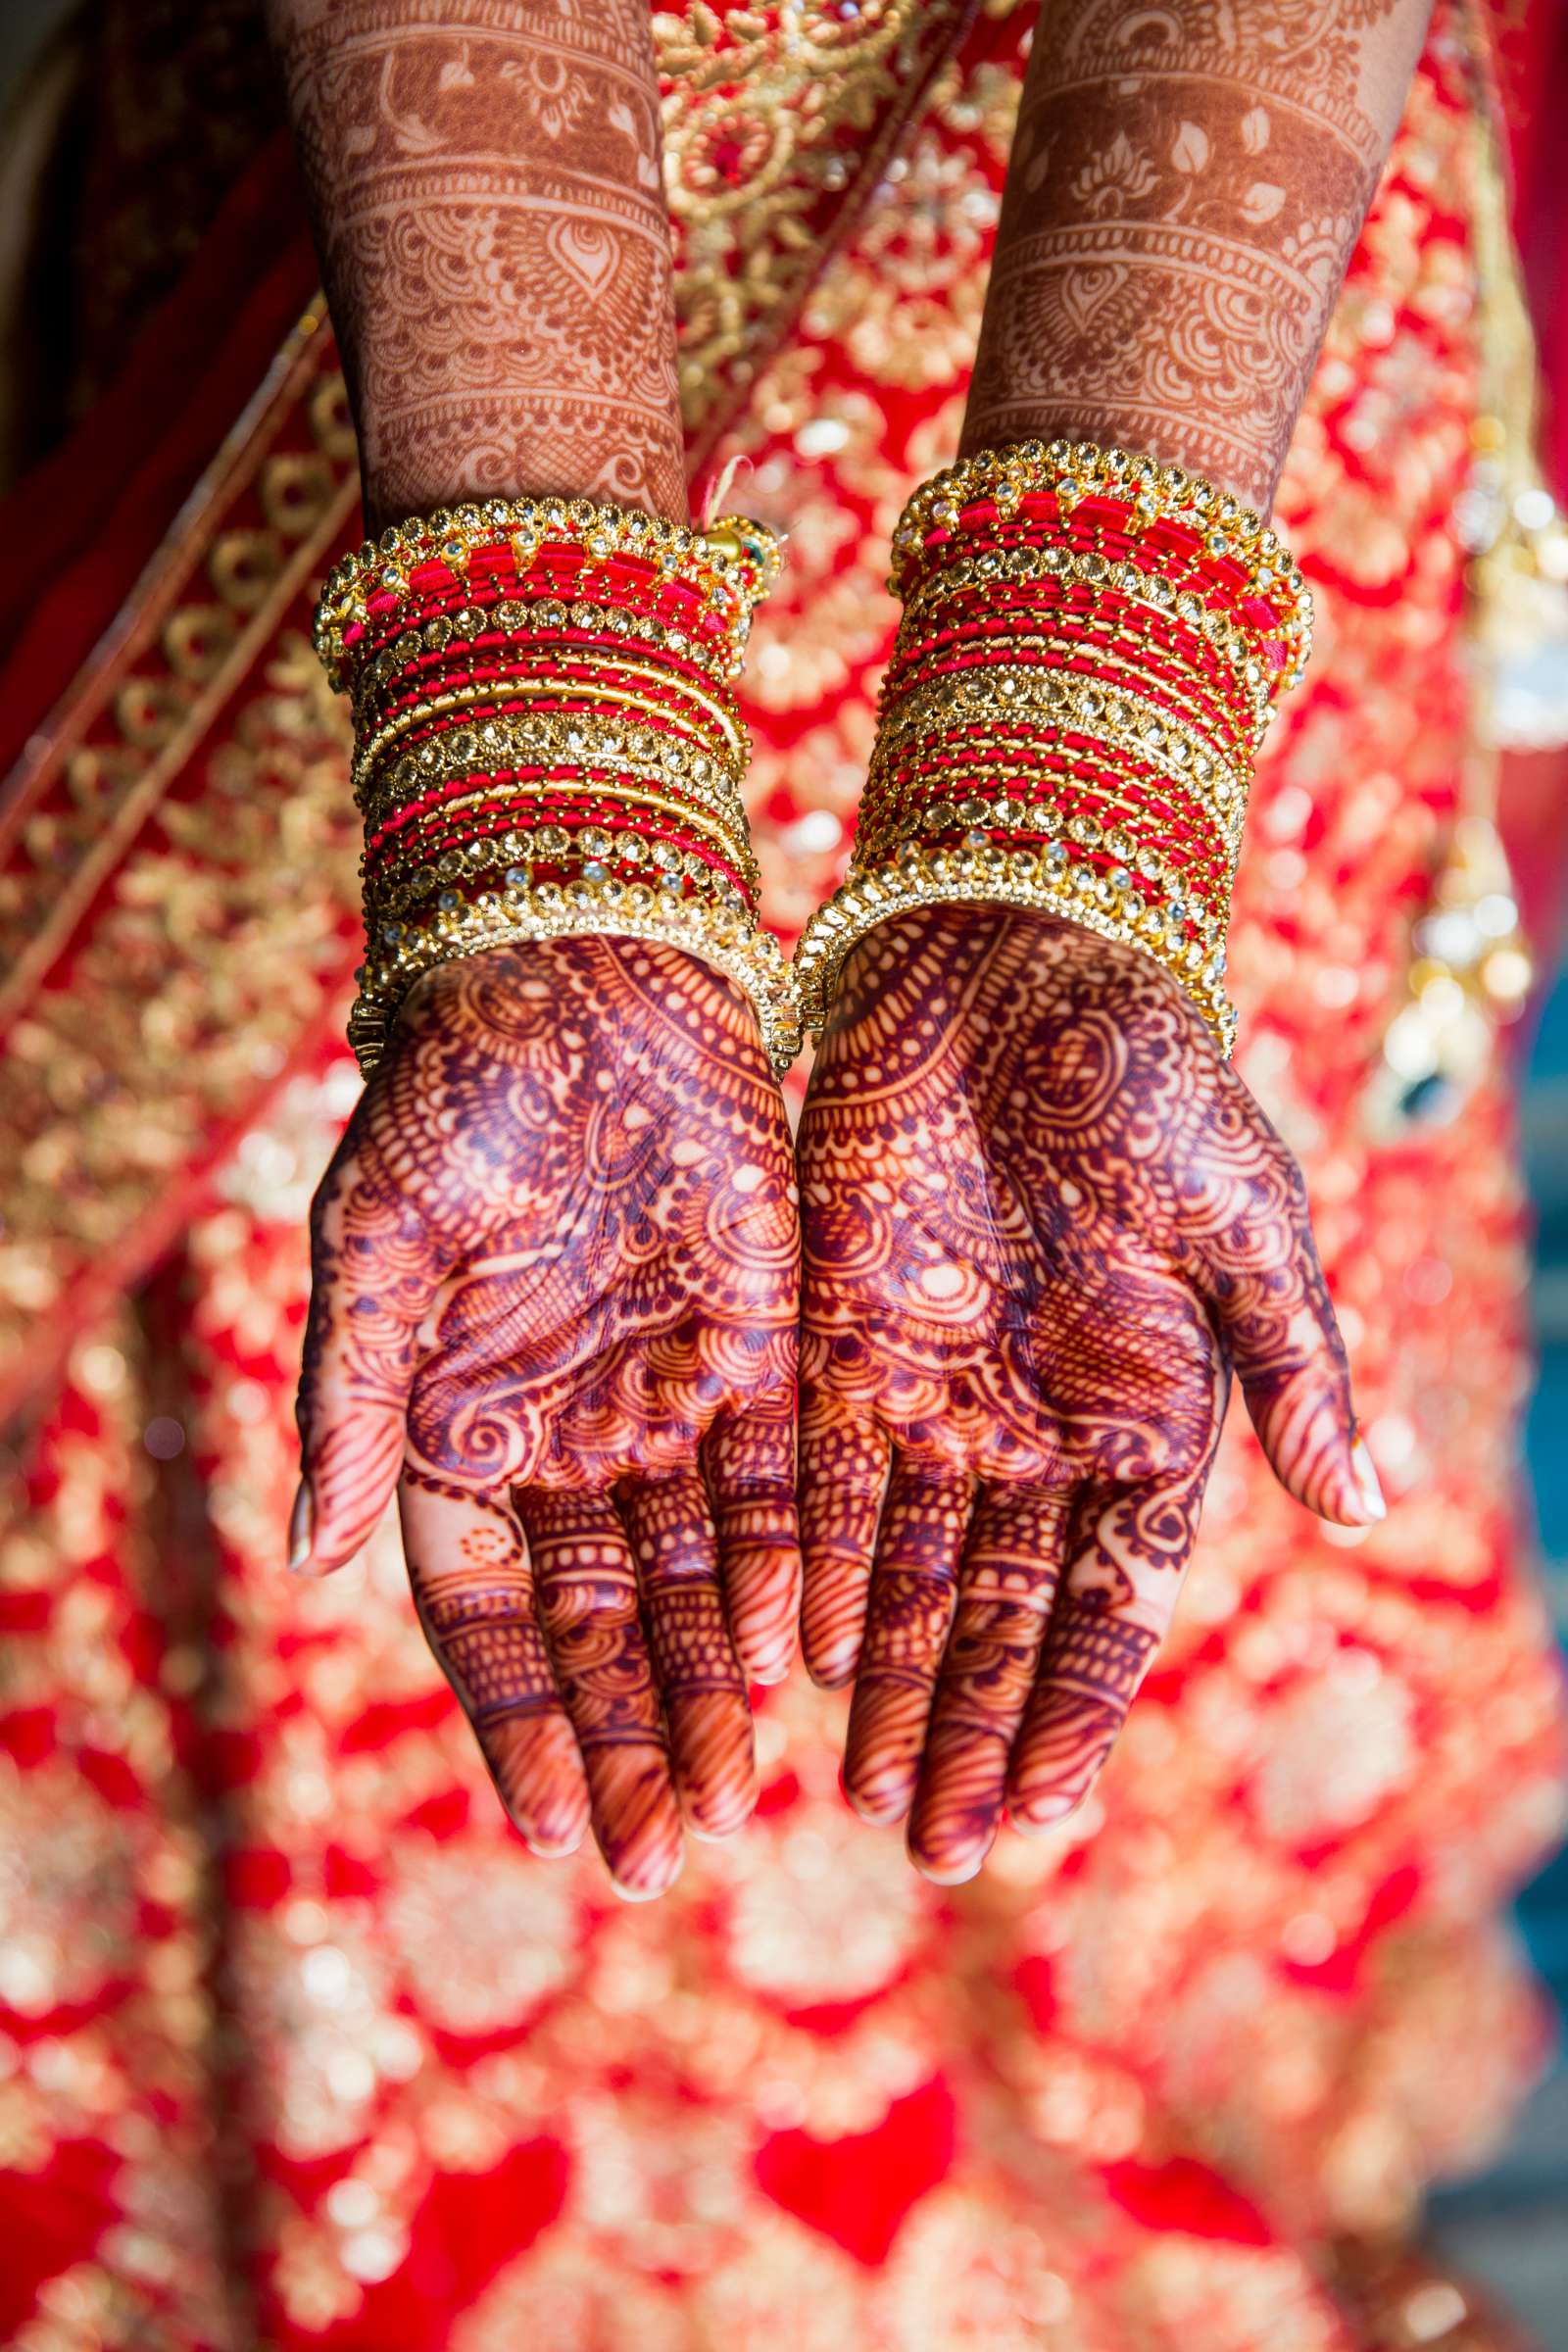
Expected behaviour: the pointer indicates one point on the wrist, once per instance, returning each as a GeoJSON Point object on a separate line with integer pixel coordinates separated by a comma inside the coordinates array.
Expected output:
{"type": "Point", "coordinates": [545, 740]}
{"type": "Point", "coordinates": [652, 481]}
{"type": "Point", "coordinates": [1090, 652]}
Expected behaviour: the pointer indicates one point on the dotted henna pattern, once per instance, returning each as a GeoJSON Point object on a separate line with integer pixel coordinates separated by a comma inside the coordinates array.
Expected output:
{"type": "Point", "coordinates": [555, 1290]}
{"type": "Point", "coordinates": [1044, 1223]}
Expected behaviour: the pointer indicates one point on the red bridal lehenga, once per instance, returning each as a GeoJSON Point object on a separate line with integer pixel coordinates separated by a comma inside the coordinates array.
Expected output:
{"type": "Point", "coordinates": [299, 2048]}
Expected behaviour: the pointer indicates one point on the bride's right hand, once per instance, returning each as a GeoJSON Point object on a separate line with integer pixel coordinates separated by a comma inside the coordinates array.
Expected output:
{"type": "Point", "coordinates": [556, 1288]}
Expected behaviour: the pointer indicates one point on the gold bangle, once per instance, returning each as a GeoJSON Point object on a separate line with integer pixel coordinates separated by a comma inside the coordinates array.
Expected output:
{"type": "Point", "coordinates": [603, 667]}
{"type": "Point", "coordinates": [522, 618]}
{"type": "Point", "coordinates": [721, 823]}
{"type": "Point", "coordinates": [1114, 653]}
{"type": "Point", "coordinates": [508, 691]}
{"type": "Point", "coordinates": [731, 564]}
{"type": "Point", "coordinates": [1019, 565]}
{"type": "Point", "coordinates": [453, 862]}
{"type": "Point", "coordinates": [730, 941]}
{"type": "Point", "coordinates": [549, 740]}
{"type": "Point", "coordinates": [1060, 881]}
{"type": "Point", "coordinates": [511, 856]}
{"type": "Point", "coordinates": [970, 775]}
{"type": "Point", "coordinates": [974, 816]}
{"type": "Point", "coordinates": [1074, 470]}
{"type": "Point", "coordinates": [1071, 703]}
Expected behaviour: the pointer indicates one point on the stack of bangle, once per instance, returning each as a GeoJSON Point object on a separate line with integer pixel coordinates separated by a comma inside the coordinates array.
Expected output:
{"type": "Point", "coordinates": [1092, 649]}
{"type": "Point", "coordinates": [546, 742]}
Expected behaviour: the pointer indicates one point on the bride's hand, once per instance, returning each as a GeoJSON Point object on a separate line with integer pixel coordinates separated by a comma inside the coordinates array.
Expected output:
{"type": "Point", "coordinates": [555, 1289]}
{"type": "Point", "coordinates": [1044, 1223]}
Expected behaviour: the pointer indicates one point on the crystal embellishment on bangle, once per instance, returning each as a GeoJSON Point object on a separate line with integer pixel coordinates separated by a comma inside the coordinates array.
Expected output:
{"type": "Point", "coordinates": [1092, 650]}
{"type": "Point", "coordinates": [546, 743]}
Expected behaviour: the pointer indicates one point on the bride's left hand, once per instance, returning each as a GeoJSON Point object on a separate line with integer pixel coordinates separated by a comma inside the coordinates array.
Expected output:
{"type": "Point", "coordinates": [1044, 1223]}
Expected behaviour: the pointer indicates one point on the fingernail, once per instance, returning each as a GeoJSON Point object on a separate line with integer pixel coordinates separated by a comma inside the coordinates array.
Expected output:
{"type": "Point", "coordinates": [956, 1873]}
{"type": "Point", "coordinates": [1366, 1482]}
{"type": "Point", "coordinates": [631, 1892]}
{"type": "Point", "coordinates": [1045, 1813]}
{"type": "Point", "coordinates": [301, 1530]}
{"type": "Point", "coordinates": [950, 1874]}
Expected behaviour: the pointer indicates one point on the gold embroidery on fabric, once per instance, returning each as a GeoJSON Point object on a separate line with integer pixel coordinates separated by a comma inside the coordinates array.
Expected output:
{"type": "Point", "coordinates": [772, 117]}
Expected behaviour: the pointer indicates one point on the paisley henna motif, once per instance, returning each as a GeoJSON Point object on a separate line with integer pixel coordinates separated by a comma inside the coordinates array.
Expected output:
{"type": "Point", "coordinates": [1044, 1223]}
{"type": "Point", "coordinates": [488, 196]}
{"type": "Point", "coordinates": [1184, 191]}
{"type": "Point", "coordinates": [555, 1289]}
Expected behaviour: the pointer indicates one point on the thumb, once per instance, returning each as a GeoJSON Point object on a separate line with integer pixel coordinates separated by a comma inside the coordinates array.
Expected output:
{"type": "Point", "coordinates": [375, 1273]}
{"type": "Point", "coordinates": [1284, 1347]}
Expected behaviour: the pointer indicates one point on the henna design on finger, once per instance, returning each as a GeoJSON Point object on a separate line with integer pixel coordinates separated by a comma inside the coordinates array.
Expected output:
{"type": "Point", "coordinates": [1008, 1581]}
{"type": "Point", "coordinates": [1277, 1319]}
{"type": "Point", "coordinates": [915, 1581]}
{"type": "Point", "coordinates": [472, 1588]}
{"type": "Point", "coordinates": [748, 1461]}
{"type": "Point", "coordinates": [1043, 1222]}
{"type": "Point", "coordinates": [586, 1582]}
{"type": "Point", "coordinates": [376, 1268]}
{"type": "Point", "coordinates": [676, 1548]}
{"type": "Point", "coordinates": [843, 1468]}
{"type": "Point", "coordinates": [1088, 1675]}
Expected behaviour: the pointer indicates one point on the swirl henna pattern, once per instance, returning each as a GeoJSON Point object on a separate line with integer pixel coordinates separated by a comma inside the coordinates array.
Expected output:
{"type": "Point", "coordinates": [486, 181]}
{"type": "Point", "coordinates": [1185, 187]}
{"type": "Point", "coordinates": [1044, 1223]}
{"type": "Point", "coordinates": [555, 1289]}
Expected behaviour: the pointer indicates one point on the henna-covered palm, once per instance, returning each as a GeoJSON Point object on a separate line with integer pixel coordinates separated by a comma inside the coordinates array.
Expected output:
{"type": "Point", "coordinates": [1044, 1223]}
{"type": "Point", "coordinates": [556, 1288]}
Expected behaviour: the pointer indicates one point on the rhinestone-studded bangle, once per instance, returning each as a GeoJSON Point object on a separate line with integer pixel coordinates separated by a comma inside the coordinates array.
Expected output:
{"type": "Point", "coordinates": [435, 571]}
{"type": "Point", "coordinates": [546, 744]}
{"type": "Point", "coordinates": [1092, 651]}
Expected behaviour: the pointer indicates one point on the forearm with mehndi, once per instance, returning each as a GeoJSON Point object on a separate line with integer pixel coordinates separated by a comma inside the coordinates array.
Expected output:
{"type": "Point", "coordinates": [486, 182]}
{"type": "Point", "coordinates": [1184, 192]}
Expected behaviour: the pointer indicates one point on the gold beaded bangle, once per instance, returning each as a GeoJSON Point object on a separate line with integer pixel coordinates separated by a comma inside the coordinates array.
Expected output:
{"type": "Point", "coordinates": [514, 855]}
{"type": "Point", "coordinates": [731, 564]}
{"type": "Point", "coordinates": [726, 756]}
{"type": "Point", "coordinates": [415, 887]}
{"type": "Point", "coordinates": [1111, 642]}
{"type": "Point", "coordinates": [1119, 830]}
{"type": "Point", "coordinates": [1075, 705]}
{"type": "Point", "coordinates": [1072, 471]}
{"type": "Point", "coordinates": [728, 940]}
{"type": "Point", "coordinates": [544, 739]}
{"type": "Point", "coordinates": [632, 789]}
{"type": "Point", "coordinates": [1062, 882]}
{"type": "Point", "coordinates": [949, 742]}
{"type": "Point", "coordinates": [549, 618]}
{"type": "Point", "coordinates": [600, 671]}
